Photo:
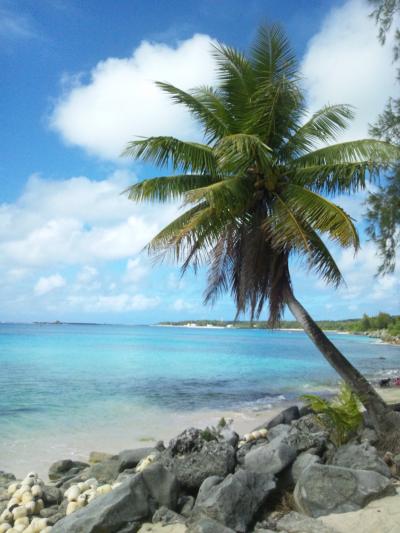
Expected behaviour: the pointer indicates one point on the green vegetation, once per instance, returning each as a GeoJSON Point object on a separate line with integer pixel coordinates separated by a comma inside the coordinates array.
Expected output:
{"type": "Point", "coordinates": [341, 416]}
{"type": "Point", "coordinates": [383, 205]}
{"type": "Point", "coordinates": [383, 321]}
{"type": "Point", "coordinates": [259, 190]}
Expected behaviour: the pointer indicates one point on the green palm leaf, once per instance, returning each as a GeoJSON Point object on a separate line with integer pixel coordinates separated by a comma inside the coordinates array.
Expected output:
{"type": "Point", "coordinates": [185, 156]}
{"type": "Point", "coordinates": [323, 126]}
{"type": "Point", "coordinates": [164, 188]}
{"type": "Point", "coordinates": [198, 103]}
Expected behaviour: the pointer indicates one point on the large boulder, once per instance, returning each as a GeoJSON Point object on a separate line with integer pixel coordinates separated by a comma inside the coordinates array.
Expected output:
{"type": "Point", "coordinates": [131, 458]}
{"type": "Point", "coordinates": [162, 485]}
{"type": "Point", "coordinates": [124, 508]}
{"type": "Point", "coordinates": [65, 468]}
{"type": "Point", "coordinates": [303, 461]}
{"type": "Point", "coordinates": [270, 458]}
{"type": "Point", "coordinates": [235, 501]}
{"type": "Point", "coordinates": [305, 434]}
{"type": "Point", "coordinates": [126, 505]}
{"type": "Point", "coordinates": [284, 417]}
{"type": "Point", "coordinates": [325, 489]}
{"type": "Point", "coordinates": [193, 459]}
{"type": "Point", "coordinates": [105, 472]}
{"type": "Point", "coordinates": [360, 456]}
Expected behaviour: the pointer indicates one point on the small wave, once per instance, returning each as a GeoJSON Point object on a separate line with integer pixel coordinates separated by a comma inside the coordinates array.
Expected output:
{"type": "Point", "coordinates": [19, 410]}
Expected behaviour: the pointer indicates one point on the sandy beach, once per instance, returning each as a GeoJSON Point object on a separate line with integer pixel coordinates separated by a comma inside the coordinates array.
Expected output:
{"type": "Point", "coordinates": [43, 449]}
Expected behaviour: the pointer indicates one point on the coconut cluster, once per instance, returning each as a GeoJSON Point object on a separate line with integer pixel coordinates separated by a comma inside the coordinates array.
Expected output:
{"type": "Point", "coordinates": [25, 502]}
{"type": "Point", "coordinates": [254, 435]}
{"type": "Point", "coordinates": [83, 493]}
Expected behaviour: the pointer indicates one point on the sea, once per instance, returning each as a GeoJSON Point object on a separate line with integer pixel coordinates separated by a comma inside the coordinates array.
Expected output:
{"type": "Point", "coordinates": [67, 389]}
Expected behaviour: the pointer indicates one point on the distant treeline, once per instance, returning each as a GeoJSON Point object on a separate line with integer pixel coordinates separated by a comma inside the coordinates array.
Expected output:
{"type": "Point", "coordinates": [391, 323]}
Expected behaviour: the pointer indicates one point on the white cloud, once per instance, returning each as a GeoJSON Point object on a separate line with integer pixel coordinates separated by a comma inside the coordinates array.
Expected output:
{"type": "Point", "coordinates": [48, 284]}
{"type": "Point", "coordinates": [121, 101]}
{"type": "Point", "coordinates": [345, 63]}
{"type": "Point", "coordinates": [363, 286]}
{"type": "Point", "coordinates": [87, 275]}
{"type": "Point", "coordinates": [181, 304]}
{"type": "Point", "coordinates": [135, 271]}
{"type": "Point", "coordinates": [76, 221]}
{"type": "Point", "coordinates": [115, 303]}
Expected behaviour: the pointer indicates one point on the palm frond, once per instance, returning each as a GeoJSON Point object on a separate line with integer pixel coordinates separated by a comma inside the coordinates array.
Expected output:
{"type": "Point", "coordinates": [323, 126]}
{"type": "Point", "coordinates": [164, 188]}
{"type": "Point", "coordinates": [322, 215]}
{"type": "Point", "coordinates": [185, 156]}
{"type": "Point", "coordinates": [271, 55]}
{"type": "Point", "coordinates": [240, 151]}
{"type": "Point", "coordinates": [344, 167]}
{"type": "Point", "coordinates": [213, 123]}
{"type": "Point", "coordinates": [236, 82]}
{"type": "Point", "coordinates": [229, 193]}
{"type": "Point", "coordinates": [321, 261]}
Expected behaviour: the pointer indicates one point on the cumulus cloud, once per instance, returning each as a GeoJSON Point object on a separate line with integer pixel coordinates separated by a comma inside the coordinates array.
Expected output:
{"type": "Point", "coordinates": [345, 63]}
{"type": "Point", "coordinates": [121, 101]}
{"type": "Point", "coordinates": [48, 284]}
{"type": "Point", "coordinates": [76, 221]}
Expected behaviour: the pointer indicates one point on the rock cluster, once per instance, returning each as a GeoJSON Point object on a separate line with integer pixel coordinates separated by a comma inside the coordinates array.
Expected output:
{"type": "Point", "coordinates": [206, 481]}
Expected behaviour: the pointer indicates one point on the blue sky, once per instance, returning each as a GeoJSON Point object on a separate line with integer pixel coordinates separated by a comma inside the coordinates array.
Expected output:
{"type": "Point", "coordinates": [77, 85]}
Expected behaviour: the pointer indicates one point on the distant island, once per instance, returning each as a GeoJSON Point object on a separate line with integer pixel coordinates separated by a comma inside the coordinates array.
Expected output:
{"type": "Point", "coordinates": [383, 326]}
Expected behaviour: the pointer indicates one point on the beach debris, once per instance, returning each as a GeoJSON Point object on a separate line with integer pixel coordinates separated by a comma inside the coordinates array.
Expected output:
{"type": "Point", "coordinates": [254, 435]}
{"type": "Point", "coordinates": [25, 502]}
{"type": "Point", "coordinates": [81, 494]}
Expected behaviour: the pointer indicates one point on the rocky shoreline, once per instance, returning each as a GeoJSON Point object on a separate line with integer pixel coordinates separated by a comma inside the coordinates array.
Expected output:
{"type": "Point", "coordinates": [383, 335]}
{"type": "Point", "coordinates": [285, 476]}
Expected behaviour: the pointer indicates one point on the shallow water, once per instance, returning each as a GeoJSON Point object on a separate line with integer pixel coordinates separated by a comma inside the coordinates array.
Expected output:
{"type": "Point", "coordinates": [69, 389]}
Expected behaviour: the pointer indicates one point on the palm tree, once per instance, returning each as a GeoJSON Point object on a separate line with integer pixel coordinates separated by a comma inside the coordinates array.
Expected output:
{"type": "Point", "coordinates": [258, 191]}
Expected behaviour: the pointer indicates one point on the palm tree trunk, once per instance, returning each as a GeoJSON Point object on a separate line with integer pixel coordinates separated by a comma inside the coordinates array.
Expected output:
{"type": "Point", "coordinates": [371, 400]}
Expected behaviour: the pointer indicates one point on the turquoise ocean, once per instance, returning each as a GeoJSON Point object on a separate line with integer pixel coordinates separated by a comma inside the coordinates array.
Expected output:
{"type": "Point", "coordinates": [68, 389]}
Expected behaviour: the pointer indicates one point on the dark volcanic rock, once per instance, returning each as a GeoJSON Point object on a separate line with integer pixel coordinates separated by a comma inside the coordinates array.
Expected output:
{"type": "Point", "coordinates": [235, 501]}
{"type": "Point", "coordinates": [126, 506]}
{"type": "Point", "coordinates": [65, 467]}
{"type": "Point", "coordinates": [193, 459]}
{"type": "Point", "coordinates": [271, 458]}
{"type": "Point", "coordinates": [305, 433]}
{"type": "Point", "coordinates": [284, 417]}
{"type": "Point", "coordinates": [326, 489]}
{"type": "Point", "coordinates": [362, 457]}
{"type": "Point", "coordinates": [131, 458]}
